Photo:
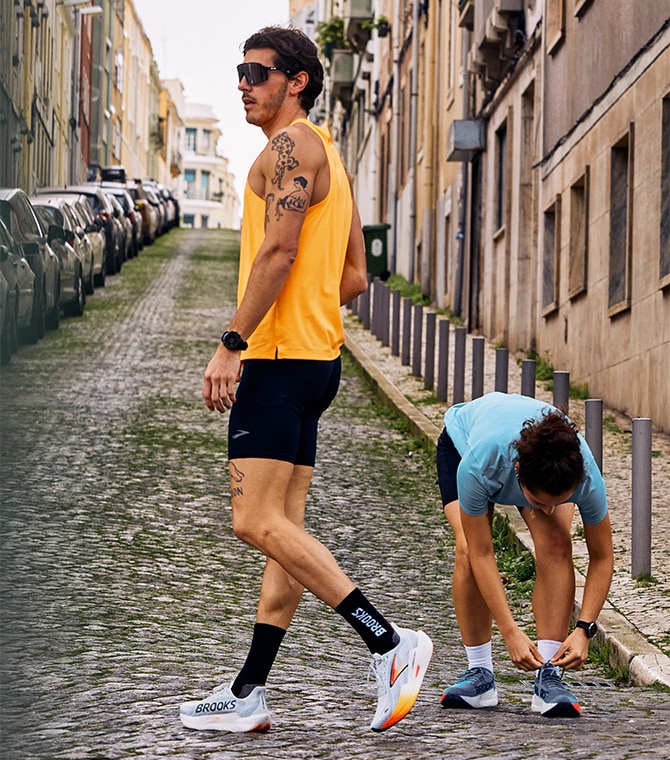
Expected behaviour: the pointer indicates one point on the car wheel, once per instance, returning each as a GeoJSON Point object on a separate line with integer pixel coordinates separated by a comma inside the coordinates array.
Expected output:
{"type": "Point", "coordinates": [8, 326]}
{"type": "Point", "coordinates": [76, 308]}
{"type": "Point", "coordinates": [99, 279]}
{"type": "Point", "coordinates": [90, 282]}
{"type": "Point", "coordinates": [53, 317]}
{"type": "Point", "coordinates": [37, 327]}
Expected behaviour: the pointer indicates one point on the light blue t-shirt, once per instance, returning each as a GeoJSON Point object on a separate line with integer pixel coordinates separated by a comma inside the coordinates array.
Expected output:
{"type": "Point", "coordinates": [483, 432]}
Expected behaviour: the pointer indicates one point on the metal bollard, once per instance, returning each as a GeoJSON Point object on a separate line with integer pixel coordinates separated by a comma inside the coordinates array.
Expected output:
{"type": "Point", "coordinates": [593, 428]}
{"type": "Point", "coordinates": [478, 345]}
{"type": "Point", "coordinates": [502, 369]}
{"type": "Point", "coordinates": [395, 331]}
{"type": "Point", "coordinates": [417, 339]}
{"type": "Point", "coordinates": [364, 307]}
{"type": "Point", "coordinates": [429, 370]}
{"type": "Point", "coordinates": [406, 330]}
{"type": "Point", "coordinates": [385, 292]}
{"type": "Point", "coordinates": [562, 391]}
{"type": "Point", "coordinates": [376, 307]}
{"type": "Point", "coordinates": [641, 498]}
{"type": "Point", "coordinates": [443, 359]}
{"type": "Point", "coordinates": [459, 364]}
{"type": "Point", "coordinates": [528, 369]}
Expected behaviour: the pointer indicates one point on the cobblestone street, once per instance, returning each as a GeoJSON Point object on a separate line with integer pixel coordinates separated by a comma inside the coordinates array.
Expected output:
{"type": "Point", "coordinates": [124, 591]}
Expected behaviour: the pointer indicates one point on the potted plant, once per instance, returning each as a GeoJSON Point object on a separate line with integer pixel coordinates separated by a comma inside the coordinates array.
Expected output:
{"type": "Point", "coordinates": [330, 36]}
{"type": "Point", "coordinates": [381, 24]}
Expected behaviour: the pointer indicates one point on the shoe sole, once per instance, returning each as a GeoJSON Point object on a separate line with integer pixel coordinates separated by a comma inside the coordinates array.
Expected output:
{"type": "Point", "coordinates": [253, 723]}
{"type": "Point", "coordinates": [556, 709]}
{"type": "Point", "coordinates": [418, 664]}
{"type": "Point", "coordinates": [456, 701]}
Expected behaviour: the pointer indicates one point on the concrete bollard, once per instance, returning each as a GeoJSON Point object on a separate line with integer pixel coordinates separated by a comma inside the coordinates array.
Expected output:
{"type": "Point", "coordinates": [364, 308]}
{"type": "Point", "coordinates": [562, 391]}
{"type": "Point", "coordinates": [376, 307]}
{"type": "Point", "coordinates": [528, 370]}
{"type": "Point", "coordinates": [429, 366]}
{"type": "Point", "coordinates": [459, 364]}
{"type": "Point", "coordinates": [417, 339]}
{"type": "Point", "coordinates": [395, 331]}
{"type": "Point", "coordinates": [502, 369]}
{"type": "Point", "coordinates": [406, 330]}
{"type": "Point", "coordinates": [478, 345]}
{"type": "Point", "coordinates": [443, 360]}
{"type": "Point", "coordinates": [641, 498]}
{"type": "Point", "coordinates": [593, 428]}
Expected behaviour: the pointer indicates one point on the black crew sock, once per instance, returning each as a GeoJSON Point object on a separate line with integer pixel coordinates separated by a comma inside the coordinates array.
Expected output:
{"type": "Point", "coordinates": [265, 644]}
{"type": "Point", "coordinates": [370, 625]}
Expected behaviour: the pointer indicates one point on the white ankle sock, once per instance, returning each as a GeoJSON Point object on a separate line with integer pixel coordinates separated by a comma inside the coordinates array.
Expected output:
{"type": "Point", "coordinates": [548, 648]}
{"type": "Point", "coordinates": [480, 656]}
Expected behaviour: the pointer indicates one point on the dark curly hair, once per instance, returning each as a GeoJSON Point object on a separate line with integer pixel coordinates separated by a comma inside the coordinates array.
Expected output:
{"type": "Point", "coordinates": [548, 455]}
{"type": "Point", "coordinates": [293, 52]}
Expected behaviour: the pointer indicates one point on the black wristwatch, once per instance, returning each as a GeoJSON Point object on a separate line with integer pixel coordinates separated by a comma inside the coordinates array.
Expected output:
{"type": "Point", "coordinates": [590, 628]}
{"type": "Point", "coordinates": [233, 341]}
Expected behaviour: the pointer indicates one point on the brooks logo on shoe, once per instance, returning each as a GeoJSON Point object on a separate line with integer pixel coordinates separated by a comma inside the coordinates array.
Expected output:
{"type": "Point", "coordinates": [216, 707]}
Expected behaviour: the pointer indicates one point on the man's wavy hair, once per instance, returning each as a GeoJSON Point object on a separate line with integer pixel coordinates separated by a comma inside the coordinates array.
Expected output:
{"type": "Point", "coordinates": [548, 455]}
{"type": "Point", "coordinates": [293, 52]}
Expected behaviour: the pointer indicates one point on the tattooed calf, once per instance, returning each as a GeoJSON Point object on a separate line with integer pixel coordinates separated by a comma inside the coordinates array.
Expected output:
{"type": "Point", "coordinates": [283, 144]}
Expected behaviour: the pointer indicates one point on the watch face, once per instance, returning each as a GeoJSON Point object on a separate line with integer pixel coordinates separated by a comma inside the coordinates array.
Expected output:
{"type": "Point", "coordinates": [233, 341]}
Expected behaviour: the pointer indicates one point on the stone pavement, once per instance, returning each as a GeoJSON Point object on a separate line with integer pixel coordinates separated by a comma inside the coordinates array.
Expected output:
{"type": "Point", "coordinates": [123, 591]}
{"type": "Point", "coordinates": [636, 619]}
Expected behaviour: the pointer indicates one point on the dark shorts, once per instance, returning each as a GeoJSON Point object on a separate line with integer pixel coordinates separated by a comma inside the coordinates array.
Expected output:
{"type": "Point", "coordinates": [279, 403]}
{"type": "Point", "coordinates": [448, 459]}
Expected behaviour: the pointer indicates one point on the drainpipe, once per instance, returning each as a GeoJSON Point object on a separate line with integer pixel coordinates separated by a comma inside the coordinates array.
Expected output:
{"type": "Point", "coordinates": [463, 205]}
{"type": "Point", "coordinates": [394, 173]}
{"type": "Point", "coordinates": [413, 122]}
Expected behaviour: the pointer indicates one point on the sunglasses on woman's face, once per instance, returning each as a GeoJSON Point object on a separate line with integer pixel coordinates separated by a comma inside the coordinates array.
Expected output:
{"type": "Point", "coordinates": [256, 73]}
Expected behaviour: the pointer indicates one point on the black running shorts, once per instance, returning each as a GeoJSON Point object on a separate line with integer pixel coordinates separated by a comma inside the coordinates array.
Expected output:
{"type": "Point", "coordinates": [448, 459]}
{"type": "Point", "coordinates": [279, 403]}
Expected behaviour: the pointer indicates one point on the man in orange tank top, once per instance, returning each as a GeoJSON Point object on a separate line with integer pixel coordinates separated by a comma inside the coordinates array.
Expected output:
{"type": "Point", "coordinates": [301, 258]}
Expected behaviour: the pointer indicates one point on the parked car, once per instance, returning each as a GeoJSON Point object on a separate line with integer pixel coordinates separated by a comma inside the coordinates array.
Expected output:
{"type": "Point", "coordinates": [158, 205]}
{"type": "Point", "coordinates": [131, 212]}
{"type": "Point", "coordinates": [103, 212]}
{"type": "Point", "coordinates": [19, 216]}
{"type": "Point", "coordinates": [21, 280]}
{"type": "Point", "coordinates": [78, 217]}
{"type": "Point", "coordinates": [116, 176]}
{"type": "Point", "coordinates": [127, 225]}
{"type": "Point", "coordinates": [72, 296]}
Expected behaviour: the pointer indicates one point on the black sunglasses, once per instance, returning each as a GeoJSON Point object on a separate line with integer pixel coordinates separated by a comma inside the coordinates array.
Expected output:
{"type": "Point", "coordinates": [256, 73]}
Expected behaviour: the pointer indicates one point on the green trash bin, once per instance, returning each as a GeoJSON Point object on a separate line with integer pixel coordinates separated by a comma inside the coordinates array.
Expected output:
{"type": "Point", "coordinates": [376, 249]}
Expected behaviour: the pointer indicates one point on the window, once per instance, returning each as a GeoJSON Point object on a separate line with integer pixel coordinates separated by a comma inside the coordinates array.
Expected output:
{"type": "Point", "coordinates": [579, 236]}
{"type": "Point", "coordinates": [501, 172]}
{"type": "Point", "coordinates": [118, 70]}
{"type": "Point", "coordinates": [206, 139]}
{"type": "Point", "coordinates": [190, 139]}
{"type": "Point", "coordinates": [204, 221]}
{"type": "Point", "coordinates": [204, 184]}
{"type": "Point", "coordinates": [664, 259]}
{"type": "Point", "coordinates": [188, 220]}
{"type": "Point", "coordinates": [555, 24]}
{"type": "Point", "coordinates": [189, 178]}
{"type": "Point", "coordinates": [550, 253]}
{"type": "Point", "coordinates": [621, 207]}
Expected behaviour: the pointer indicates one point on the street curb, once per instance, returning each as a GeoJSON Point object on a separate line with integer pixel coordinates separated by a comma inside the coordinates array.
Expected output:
{"type": "Point", "coordinates": [628, 648]}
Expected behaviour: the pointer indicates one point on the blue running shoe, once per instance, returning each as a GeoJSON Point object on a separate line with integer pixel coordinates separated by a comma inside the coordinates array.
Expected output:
{"type": "Point", "coordinates": [474, 688]}
{"type": "Point", "coordinates": [550, 697]}
{"type": "Point", "coordinates": [223, 711]}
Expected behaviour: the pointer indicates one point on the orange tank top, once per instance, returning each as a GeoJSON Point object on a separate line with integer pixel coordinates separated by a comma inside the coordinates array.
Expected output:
{"type": "Point", "coordinates": [305, 321]}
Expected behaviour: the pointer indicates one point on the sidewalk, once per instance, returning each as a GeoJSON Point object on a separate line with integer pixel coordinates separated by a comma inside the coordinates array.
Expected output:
{"type": "Point", "coordinates": [635, 621]}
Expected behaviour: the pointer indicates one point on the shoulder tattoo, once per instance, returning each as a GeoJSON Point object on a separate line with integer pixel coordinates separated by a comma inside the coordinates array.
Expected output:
{"type": "Point", "coordinates": [283, 145]}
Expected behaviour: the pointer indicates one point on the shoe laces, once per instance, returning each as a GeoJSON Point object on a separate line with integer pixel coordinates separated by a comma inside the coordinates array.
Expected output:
{"type": "Point", "coordinates": [552, 674]}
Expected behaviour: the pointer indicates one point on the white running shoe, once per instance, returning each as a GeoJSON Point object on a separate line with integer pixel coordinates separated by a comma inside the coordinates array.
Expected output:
{"type": "Point", "coordinates": [399, 676]}
{"type": "Point", "coordinates": [223, 711]}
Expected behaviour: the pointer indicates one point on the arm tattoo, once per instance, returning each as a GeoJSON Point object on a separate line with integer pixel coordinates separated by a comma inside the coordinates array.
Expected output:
{"type": "Point", "coordinates": [283, 144]}
{"type": "Point", "coordinates": [269, 198]}
{"type": "Point", "coordinates": [295, 201]}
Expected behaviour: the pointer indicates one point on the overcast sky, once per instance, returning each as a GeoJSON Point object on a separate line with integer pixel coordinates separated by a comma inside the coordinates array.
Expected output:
{"type": "Point", "coordinates": [198, 42]}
